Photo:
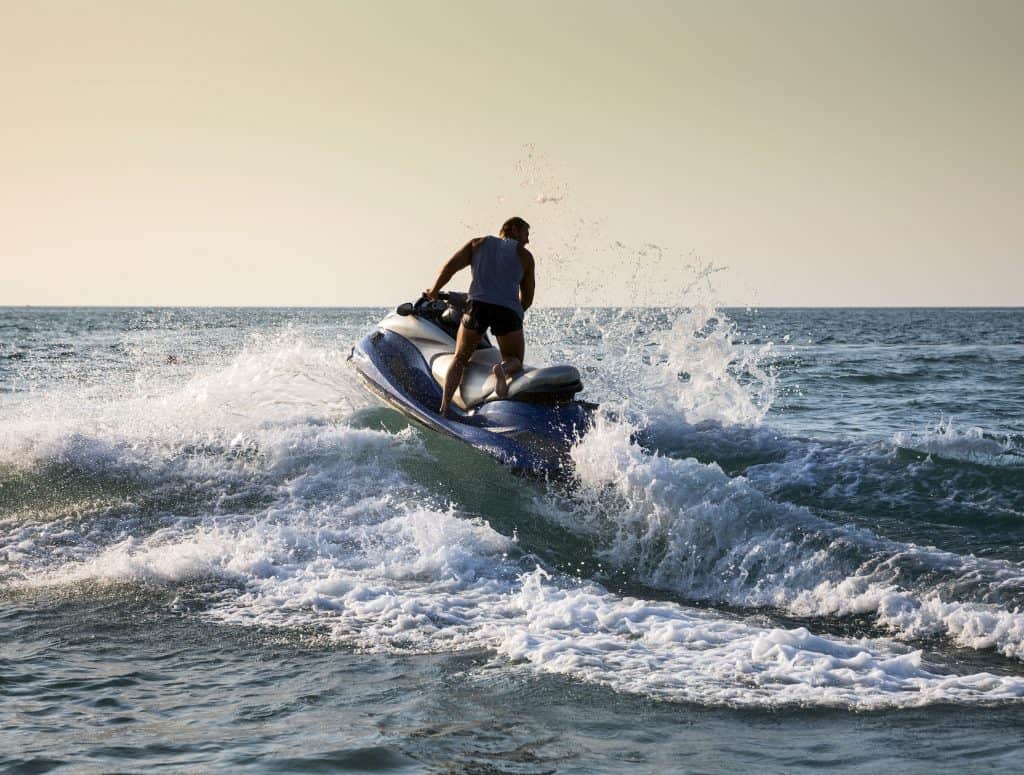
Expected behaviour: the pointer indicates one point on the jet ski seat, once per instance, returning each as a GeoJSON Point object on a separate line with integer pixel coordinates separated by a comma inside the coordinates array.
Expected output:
{"type": "Point", "coordinates": [552, 384]}
{"type": "Point", "coordinates": [546, 384]}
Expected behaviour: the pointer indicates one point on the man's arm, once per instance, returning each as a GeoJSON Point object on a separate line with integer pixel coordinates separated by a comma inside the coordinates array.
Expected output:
{"type": "Point", "coordinates": [462, 259]}
{"type": "Point", "coordinates": [529, 282]}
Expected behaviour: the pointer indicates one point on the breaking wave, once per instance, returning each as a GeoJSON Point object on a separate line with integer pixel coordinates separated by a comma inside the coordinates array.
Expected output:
{"type": "Point", "coordinates": [266, 490]}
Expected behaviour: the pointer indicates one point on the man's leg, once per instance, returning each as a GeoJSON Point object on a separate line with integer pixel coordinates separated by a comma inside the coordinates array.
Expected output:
{"type": "Point", "coordinates": [465, 344]}
{"type": "Point", "coordinates": [513, 350]}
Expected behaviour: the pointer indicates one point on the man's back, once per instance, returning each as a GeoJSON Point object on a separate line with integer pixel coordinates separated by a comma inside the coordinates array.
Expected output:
{"type": "Point", "coordinates": [497, 273]}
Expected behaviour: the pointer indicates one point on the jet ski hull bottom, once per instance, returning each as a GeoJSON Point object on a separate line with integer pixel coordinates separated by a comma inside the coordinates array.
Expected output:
{"type": "Point", "coordinates": [528, 436]}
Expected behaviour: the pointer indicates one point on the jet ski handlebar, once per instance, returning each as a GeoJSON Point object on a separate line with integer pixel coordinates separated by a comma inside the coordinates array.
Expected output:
{"type": "Point", "coordinates": [424, 305]}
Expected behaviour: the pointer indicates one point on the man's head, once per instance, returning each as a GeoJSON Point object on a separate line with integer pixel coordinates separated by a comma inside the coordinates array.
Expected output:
{"type": "Point", "coordinates": [516, 228]}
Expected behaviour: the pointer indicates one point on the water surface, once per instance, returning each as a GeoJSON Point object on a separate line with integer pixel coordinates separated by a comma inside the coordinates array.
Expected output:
{"type": "Point", "coordinates": [794, 542]}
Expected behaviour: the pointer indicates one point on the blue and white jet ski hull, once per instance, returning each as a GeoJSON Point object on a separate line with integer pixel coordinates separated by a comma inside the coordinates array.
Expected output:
{"type": "Point", "coordinates": [527, 436]}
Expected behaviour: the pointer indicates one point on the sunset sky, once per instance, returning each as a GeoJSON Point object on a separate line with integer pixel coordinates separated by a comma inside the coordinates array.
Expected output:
{"type": "Point", "coordinates": [335, 153]}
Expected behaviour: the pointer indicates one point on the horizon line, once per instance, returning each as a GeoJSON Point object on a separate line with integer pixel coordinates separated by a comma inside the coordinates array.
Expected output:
{"type": "Point", "coordinates": [565, 306]}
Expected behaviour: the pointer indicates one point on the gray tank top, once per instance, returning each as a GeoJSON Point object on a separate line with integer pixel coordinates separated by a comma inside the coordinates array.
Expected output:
{"type": "Point", "coordinates": [497, 273]}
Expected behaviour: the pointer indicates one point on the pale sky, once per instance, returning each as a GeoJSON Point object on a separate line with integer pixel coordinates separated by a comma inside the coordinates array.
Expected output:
{"type": "Point", "coordinates": [336, 153]}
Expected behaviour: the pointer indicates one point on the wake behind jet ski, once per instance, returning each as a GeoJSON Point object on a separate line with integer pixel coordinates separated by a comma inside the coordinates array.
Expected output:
{"type": "Point", "coordinates": [405, 361]}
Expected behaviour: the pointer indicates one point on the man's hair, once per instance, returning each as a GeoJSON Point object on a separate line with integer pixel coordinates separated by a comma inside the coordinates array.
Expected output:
{"type": "Point", "coordinates": [513, 223]}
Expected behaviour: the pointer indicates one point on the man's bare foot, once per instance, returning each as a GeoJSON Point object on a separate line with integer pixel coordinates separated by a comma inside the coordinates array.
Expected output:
{"type": "Point", "coordinates": [500, 381]}
{"type": "Point", "coordinates": [443, 411]}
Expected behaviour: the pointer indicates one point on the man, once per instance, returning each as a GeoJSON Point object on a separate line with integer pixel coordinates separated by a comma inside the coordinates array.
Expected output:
{"type": "Point", "coordinates": [501, 291]}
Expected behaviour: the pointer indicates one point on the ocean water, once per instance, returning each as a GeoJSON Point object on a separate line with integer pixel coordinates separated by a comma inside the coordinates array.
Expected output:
{"type": "Point", "coordinates": [793, 541]}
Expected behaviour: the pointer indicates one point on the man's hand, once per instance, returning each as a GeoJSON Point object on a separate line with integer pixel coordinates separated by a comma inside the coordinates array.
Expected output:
{"type": "Point", "coordinates": [431, 294]}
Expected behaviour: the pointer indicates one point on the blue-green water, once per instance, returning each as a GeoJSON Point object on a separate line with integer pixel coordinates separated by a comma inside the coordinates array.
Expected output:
{"type": "Point", "coordinates": [795, 542]}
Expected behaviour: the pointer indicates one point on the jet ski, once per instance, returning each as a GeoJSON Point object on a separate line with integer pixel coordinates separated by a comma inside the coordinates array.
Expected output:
{"type": "Point", "coordinates": [404, 361]}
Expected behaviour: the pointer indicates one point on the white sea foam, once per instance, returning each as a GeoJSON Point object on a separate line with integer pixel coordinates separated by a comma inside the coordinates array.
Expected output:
{"type": "Point", "coordinates": [687, 527]}
{"type": "Point", "coordinates": [706, 376]}
{"type": "Point", "coordinates": [288, 381]}
{"type": "Point", "coordinates": [430, 581]}
{"type": "Point", "coordinates": [680, 365]}
{"type": "Point", "coordinates": [971, 445]}
{"type": "Point", "coordinates": [668, 651]}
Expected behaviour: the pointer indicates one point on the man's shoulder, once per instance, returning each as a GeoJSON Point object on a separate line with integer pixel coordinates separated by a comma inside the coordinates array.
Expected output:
{"type": "Point", "coordinates": [525, 254]}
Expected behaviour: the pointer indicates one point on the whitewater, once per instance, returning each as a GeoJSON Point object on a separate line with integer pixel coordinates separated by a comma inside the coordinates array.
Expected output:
{"type": "Point", "coordinates": [789, 530]}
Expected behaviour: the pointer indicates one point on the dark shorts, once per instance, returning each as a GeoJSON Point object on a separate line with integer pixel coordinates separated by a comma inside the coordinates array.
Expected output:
{"type": "Point", "coordinates": [480, 316]}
